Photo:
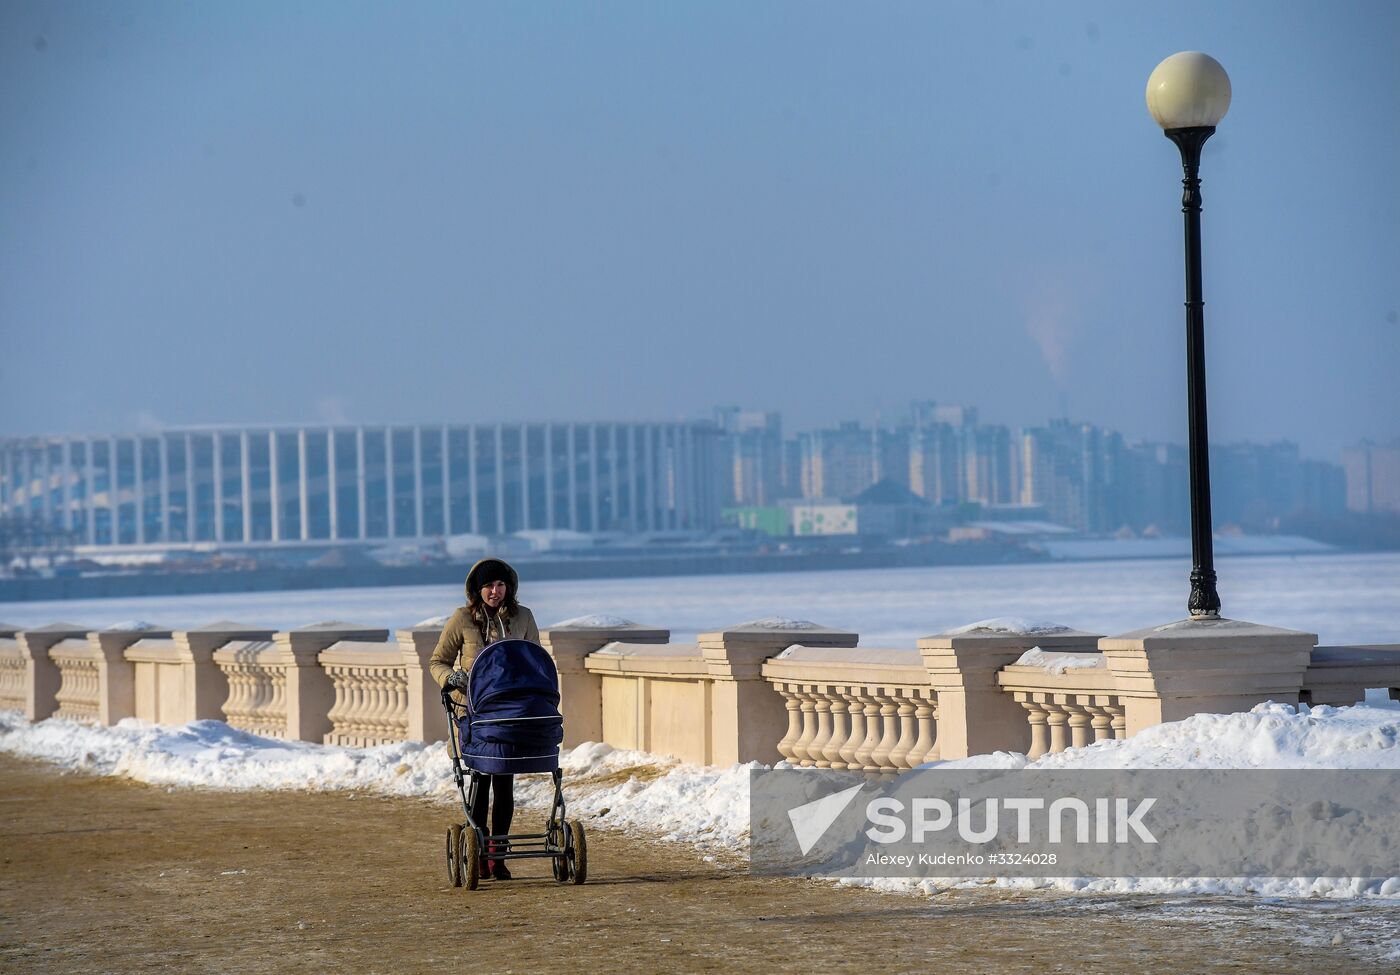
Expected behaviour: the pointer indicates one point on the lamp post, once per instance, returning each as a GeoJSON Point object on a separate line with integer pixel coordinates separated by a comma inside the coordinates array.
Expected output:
{"type": "Point", "coordinates": [1188, 94]}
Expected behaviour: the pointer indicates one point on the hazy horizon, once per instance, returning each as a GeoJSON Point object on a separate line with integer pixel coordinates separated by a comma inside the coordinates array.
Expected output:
{"type": "Point", "coordinates": [888, 420]}
{"type": "Point", "coordinates": [350, 212]}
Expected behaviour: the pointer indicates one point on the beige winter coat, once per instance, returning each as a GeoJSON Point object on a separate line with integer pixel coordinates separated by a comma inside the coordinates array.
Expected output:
{"type": "Point", "coordinates": [463, 637]}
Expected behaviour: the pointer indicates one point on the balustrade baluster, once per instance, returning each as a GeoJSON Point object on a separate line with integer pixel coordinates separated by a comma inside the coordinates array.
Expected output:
{"type": "Point", "coordinates": [1040, 735]}
{"type": "Point", "coordinates": [807, 704]}
{"type": "Point", "coordinates": [817, 749]}
{"type": "Point", "coordinates": [794, 721]}
{"type": "Point", "coordinates": [1078, 725]}
{"type": "Point", "coordinates": [840, 728]}
{"type": "Point", "coordinates": [908, 728]}
{"type": "Point", "coordinates": [1101, 722]}
{"type": "Point", "coordinates": [888, 723]}
{"type": "Point", "coordinates": [923, 716]}
{"type": "Point", "coordinates": [865, 750]}
{"type": "Point", "coordinates": [1057, 719]}
{"type": "Point", "coordinates": [855, 729]}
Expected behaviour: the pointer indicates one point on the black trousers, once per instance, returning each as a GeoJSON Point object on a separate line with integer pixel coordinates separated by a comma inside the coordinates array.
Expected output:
{"type": "Point", "coordinates": [502, 810]}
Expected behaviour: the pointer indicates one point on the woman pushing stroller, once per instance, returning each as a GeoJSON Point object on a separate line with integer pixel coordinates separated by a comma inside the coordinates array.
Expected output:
{"type": "Point", "coordinates": [490, 615]}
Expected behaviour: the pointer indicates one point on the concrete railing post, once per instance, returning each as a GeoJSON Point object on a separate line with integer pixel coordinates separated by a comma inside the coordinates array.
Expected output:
{"type": "Point", "coordinates": [204, 685]}
{"type": "Point", "coordinates": [41, 677]}
{"type": "Point", "coordinates": [116, 676]}
{"type": "Point", "coordinates": [581, 692]}
{"type": "Point", "coordinates": [975, 716]}
{"type": "Point", "coordinates": [749, 716]}
{"type": "Point", "coordinates": [310, 693]}
{"type": "Point", "coordinates": [1218, 666]}
{"type": "Point", "coordinates": [427, 721]}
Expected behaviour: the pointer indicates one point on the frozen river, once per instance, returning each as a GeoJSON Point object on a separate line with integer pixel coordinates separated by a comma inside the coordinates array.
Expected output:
{"type": "Point", "coordinates": [1343, 598]}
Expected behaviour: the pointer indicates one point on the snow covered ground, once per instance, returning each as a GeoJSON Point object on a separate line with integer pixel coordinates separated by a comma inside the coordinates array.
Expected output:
{"type": "Point", "coordinates": [1343, 598]}
{"type": "Point", "coordinates": [707, 808]}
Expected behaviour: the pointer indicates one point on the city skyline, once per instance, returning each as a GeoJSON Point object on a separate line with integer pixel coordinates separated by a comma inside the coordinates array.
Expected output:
{"type": "Point", "coordinates": [270, 485]}
{"type": "Point", "coordinates": [340, 212]}
{"type": "Point", "coordinates": [887, 419]}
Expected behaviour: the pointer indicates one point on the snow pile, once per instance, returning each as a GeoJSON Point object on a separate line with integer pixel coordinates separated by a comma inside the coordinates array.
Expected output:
{"type": "Point", "coordinates": [780, 623]}
{"type": "Point", "coordinates": [132, 626]}
{"type": "Point", "coordinates": [1274, 736]}
{"type": "Point", "coordinates": [434, 621]}
{"type": "Point", "coordinates": [705, 807]}
{"type": "Point", "coordinates": [709, 807]}
{"type": "Point", "coordinates": [1271, 736]}
{"type": "Point", "coordinates": [1010, 626]}
{"type": "Point", "coordinates": [210, 754]}
{"type": "Point", "coordinates": [601, 621]}
{"type": "Point", "coordinates": [1058, 663]}
{"type": "Point", "coordinates": [619, 648]}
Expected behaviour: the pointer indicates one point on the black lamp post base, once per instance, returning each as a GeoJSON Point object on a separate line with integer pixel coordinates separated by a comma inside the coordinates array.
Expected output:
{"type": "Point", "coordinates": [1204, 603]}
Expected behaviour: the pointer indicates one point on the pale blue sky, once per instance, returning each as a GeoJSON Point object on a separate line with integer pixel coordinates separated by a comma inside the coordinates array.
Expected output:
{"type": "Point", "coordinates": [277, 212]}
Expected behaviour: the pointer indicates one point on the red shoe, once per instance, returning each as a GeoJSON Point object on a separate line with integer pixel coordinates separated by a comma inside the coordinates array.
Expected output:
{"type": "Point", "coordinates": [498, 868]}
{"type": "Point", "coordinates": [486, 866]}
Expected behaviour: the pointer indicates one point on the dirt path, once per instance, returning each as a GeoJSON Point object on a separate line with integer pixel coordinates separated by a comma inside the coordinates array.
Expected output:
{"type": "Point", "coordinates": [103, 875]}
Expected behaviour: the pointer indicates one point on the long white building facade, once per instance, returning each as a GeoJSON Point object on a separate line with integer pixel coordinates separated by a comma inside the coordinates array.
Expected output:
{"type": "Point", "coordinates": [259, 486]}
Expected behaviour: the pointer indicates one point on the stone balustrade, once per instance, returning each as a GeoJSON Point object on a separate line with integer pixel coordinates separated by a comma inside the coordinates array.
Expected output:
{"type": "Point", "coordinates": [280, 688]}
{"type": "Point", "coordinates": [41, 676]}
{"type": "Point", "coordinates": [580, 689]}
{"type": "Point", "coordinates": [11, 669]}
{"type": "Point", "coordinates": [655, 698]}
{"type": "Point", "coordinates": [1070, 700]}
{"type": "Point", "coordinates": [748, 715]}
{"type": "Point", "coordinates": [157, 680]}
{"type": "Point", "coordinates": [176, 679]}
{"type": "Point", "coordinates": [77, 696]}
{"type": "Point", "coordinates": [865, 709]}
{"type": "Point", "coordinates": [1341, 675]}
{"type": "Point", "coordinates": [257, 687]}
{"type": "Point", "coordinates": [371, 693]}
{"type": "Point", "coordinates": [975, 716]}
{"type": "Point", "coordinates": [769, 690]}
{"type": "Point", "coordinates": [705, 702]}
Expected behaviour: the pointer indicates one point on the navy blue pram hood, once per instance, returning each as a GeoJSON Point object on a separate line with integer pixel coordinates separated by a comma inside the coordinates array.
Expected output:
{"type": "Point", "coordinates": [512, 723]}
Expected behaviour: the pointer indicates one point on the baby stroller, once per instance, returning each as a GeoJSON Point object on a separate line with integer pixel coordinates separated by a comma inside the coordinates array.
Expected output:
{"type": "Point", "coordinates": [511, 724]}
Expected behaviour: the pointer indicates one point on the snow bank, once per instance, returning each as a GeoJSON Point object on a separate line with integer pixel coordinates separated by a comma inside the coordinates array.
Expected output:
{"type": "Point", "coordinates": [704, 807]}
{"type": "Point", "coordinates": [1058, 663]}
{"type": "Point", "coordinates": [212, 755]}
{"type": "Point", "coordinates": [708, 807]}
{"type": "Point", "coordinates": [1271, 736]}
{"type": "Point", "coordinates": [1275, 736]}
{"type": "Point", "coordinates": [132, 626]}
{"type": "Point", "coordinates": [781, 623]}
{"type": "Point", "coordinates": [596, 620]}
{"type": "Point", "coordinates": [1011, 626]}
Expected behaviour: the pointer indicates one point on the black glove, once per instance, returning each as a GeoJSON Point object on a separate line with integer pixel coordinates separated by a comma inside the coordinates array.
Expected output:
{"type": "Point", "coordinates": [458, 679]}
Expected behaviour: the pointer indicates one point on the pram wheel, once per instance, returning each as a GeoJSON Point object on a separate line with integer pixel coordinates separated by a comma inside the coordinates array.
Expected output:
{"type": "Point", "coordinates": [470, 848]}
{"type": "Point", "coordinates": [454, 854]}
{"type": "Point", "coordinates": [578, 853]}
{"type": "Point", "coordinates": [559, 864]}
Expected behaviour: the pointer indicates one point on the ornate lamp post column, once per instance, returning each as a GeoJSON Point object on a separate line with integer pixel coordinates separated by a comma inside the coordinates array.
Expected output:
{"type": "Point", "coordinates": [1188, 94]}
